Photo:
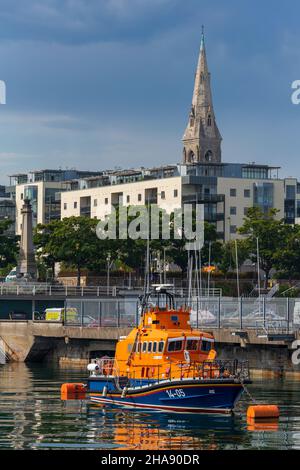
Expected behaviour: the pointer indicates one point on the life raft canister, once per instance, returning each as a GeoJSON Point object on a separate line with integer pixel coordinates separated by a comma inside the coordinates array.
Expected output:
{"type": "Point", "coordinates": [187, 356]}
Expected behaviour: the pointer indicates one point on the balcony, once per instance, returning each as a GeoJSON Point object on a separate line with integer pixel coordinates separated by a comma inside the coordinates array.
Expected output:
{"type": "Point", "coordinates": [203, 198]}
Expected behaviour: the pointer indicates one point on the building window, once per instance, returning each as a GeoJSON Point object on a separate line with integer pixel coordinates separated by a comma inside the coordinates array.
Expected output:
{"type": "Point", "coordinates": [128, 199]}
{"type": "Point", "coordinates": [106, 200]}
{"type": "Point", "coordinates": [209, 120]}
{"type": "Point", "coordinates": [65, 206]}
{"type": "Point", "coordinates": [175, 192]}
{"type": "Point", "coordinates": [246, 210]}
{"type": "Point", "coordinates": [95, 202]}
{"type": "Point", "coordinates": [139, 197]}
{"type": "Point", "coordinates": [163, 195]}
{"type": "Point", "coordinates": [232, 210]}
{"type": "Point", "coordinates": [75, 205]}
{"type": "Point", "coordinates": [246, 192]}
{"type": "Point", "coordinates": [263, 196]}
{"type": "Point", "coordinates": [22, 195]}
{"type": "Point", "coordinates": [290, 192]}
{"type": "Point", "coordinates": [232, 228]}
{"type": "Point", "coordinates": [232, 192]}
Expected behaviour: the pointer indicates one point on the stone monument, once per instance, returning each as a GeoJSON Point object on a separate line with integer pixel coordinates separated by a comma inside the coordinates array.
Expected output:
{"type": "Point", "coordinates": [26, 266]}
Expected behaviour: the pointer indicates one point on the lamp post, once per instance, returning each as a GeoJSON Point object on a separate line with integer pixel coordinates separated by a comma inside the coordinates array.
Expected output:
{"type": "Point", "coordinates": [108, 270]}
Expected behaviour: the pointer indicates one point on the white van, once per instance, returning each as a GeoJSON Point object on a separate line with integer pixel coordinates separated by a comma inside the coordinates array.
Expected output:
{"type": "Point", "coordinates": [12, 275]}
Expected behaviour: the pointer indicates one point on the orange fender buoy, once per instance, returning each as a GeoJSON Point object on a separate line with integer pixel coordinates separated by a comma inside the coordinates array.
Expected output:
{"type": "Point", "coordinates": [263, 411]}
{"type": "Point", "coordinates": [72, 390]}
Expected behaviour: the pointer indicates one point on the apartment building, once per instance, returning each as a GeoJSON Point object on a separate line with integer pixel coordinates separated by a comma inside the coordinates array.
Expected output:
{"type": "Point", "coordinates": [43, 188]}
{"type": "Point", "coordinates": [226, 190]}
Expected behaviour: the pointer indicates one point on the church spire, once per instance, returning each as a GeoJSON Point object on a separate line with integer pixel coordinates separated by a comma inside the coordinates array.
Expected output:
{"type": "Point", "coordinates": [202, 139]}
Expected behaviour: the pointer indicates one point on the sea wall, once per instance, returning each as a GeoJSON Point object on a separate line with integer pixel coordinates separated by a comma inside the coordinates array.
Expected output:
{"type": "Point", "coordinates": [53, 342]}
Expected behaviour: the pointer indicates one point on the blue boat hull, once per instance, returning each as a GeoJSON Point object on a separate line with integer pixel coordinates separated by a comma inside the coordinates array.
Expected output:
{"type": "Point", "coordinates": [212, 396]}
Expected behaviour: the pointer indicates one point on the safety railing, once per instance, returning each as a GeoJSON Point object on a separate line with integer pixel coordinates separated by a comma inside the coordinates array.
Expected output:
{"type": "Point", "coordinates": [206, 312]}
{"type": "Point", "coordinates": [145, 374]}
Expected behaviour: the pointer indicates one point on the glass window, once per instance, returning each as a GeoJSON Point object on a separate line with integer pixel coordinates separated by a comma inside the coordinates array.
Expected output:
{"type": "Point", "coordinates": [290, 192]}
{"type": "Point", "coordinates": [246, 210]}
{"type": "Point", "coordinates": [154, 347]}
{"type": "Point", "coordinates": [128, 198]}
{"type": "Point", "coordinates": [150, 346]}
{"type": "Point", "coordinates": [232, 192]}
{"type": "Point", "coordinates": [139, 197]}
{"type": "Point", "coordinates": [174, 318]}
{"type": "Point", "coordinates": [175, 192]}
{"type": "Point", "coordinates": [232, 210]}
{"type": "Point", "coordinates": [65, 206]}
{"type": "Point", "coordinates": [75, 205]}
{"type": "Point", "coordinates": [106, 200]}
{"type": "Point", "coordinates": [205, 345]}
{"type": "Point", "coordinates": [246, 192]}
{"type": "Point", "coordinates": [263, 196]}
{"type": "Point", "coordinates": [163, 195]}
{"type": "Point", "coordinates": [145, 347]}
{"type": "Point", "coordinates": [192, 344]}
{"type": "Point", "coordinates": [161, 346]}
{"type": "Point", "coordinates": [175, 346]}
{"type": "Point", "coordinates": [232, 228]}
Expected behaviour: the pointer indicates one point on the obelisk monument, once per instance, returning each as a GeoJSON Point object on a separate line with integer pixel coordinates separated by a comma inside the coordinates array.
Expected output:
{"type": "Point", "coordinates": [26, 265]}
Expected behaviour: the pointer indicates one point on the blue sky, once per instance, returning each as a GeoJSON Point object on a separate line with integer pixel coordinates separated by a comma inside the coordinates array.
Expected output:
{"type": "Point", "coordinates": [95, 84]}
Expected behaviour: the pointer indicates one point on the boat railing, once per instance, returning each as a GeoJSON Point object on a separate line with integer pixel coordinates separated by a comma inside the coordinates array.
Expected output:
{"type": "Point", "coordinates": [217, 369]}
{"type": "Point", "coordinates": [107, 366]}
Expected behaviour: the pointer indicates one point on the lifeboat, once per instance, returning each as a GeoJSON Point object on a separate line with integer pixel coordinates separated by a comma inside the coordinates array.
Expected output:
{"type": "Point", "coordinates": [166, 365]}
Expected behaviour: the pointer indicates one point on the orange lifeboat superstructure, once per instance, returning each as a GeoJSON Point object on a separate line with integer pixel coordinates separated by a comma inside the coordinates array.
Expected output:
{"type": "Point", "coordinates": [165, 364]}
{"type": "Point", "coordinates": [164, 346]}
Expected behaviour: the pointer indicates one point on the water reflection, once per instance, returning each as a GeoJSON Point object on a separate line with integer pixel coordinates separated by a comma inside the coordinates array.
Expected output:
{"type": "Point", "coordinates": [33, 416]}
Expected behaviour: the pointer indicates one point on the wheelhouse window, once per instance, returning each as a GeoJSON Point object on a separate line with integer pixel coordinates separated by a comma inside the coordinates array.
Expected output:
{"type": "Point", "coordinates": [145, 347]}
{"type": "Point", "coordinates": [206, 345]}
{"type": "Point", "coordinates": [192, 344]}
{"type": "Point", "coordinates": [154, 347]}
{"type": "Point", "coordinates": [161, 346]}
{"type": "Point", "coordinates": [150, 347]}
{"type": "Point", "coordinates": [175, 345]}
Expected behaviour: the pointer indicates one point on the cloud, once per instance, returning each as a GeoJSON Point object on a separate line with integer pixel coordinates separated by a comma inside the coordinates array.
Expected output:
{"type": "Point", "coordinates": [82, 21]}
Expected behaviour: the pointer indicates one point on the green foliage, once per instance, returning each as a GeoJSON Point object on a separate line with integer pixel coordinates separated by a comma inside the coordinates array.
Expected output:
{"type": "Point", "coordinates": [271, 235]}
{"type": "Point", "coordinates": [228, 259]}
{"type": "Point", "coordinates": [9, 247]}
{"type": "Point", "coordinates": [72, 240]}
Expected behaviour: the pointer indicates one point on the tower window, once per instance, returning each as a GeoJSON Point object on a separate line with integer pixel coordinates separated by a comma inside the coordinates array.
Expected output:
{"type": "Point", "coordinates": [191, 158]}
{"type": "Point", "coordinates": [208, 156]}
{"type": "Point", "coordinates": [209, 120]}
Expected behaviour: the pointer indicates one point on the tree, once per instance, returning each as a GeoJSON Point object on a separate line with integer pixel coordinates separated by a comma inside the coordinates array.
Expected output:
{"type": "Point", "coordinates": [72, 240]}
{"type": "Point", "coordinates": [287, 259]}
{"type": "Point", "coordinates": [179, 253]}
{"type": "Point", "coordinates": [42, 236]}
{"type": "Point", "coordinates": [270, 233]}
{"type": "Point", "coordinates": [9, 245]}
{"type": "Point", "coordinates": [228, 258]}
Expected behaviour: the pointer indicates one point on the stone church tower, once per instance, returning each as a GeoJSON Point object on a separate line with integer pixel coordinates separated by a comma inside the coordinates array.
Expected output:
{"type": "Point", "coordinates": [202, 139]}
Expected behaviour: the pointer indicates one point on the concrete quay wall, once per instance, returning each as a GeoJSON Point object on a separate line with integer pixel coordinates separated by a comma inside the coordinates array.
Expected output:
{"type": "Point", "coordinates": [40, 341]}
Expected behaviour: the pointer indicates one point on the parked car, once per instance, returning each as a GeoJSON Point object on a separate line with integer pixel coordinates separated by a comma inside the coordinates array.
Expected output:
{"type": "Point", "coordinates": [12, 275]}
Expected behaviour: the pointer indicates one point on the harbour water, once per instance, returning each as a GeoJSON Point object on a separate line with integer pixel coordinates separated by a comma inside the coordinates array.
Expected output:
{"type": "Point", "coordinates": [32, 416]}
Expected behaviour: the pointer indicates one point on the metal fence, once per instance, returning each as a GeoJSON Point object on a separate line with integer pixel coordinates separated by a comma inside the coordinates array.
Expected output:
{"type": "Point", "coordinates": [212, 312]}
{"type": "Point", "coordinates": [58, 290]}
